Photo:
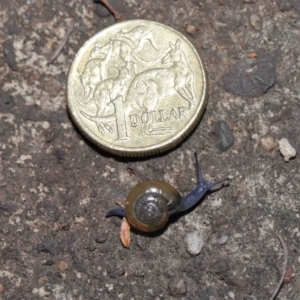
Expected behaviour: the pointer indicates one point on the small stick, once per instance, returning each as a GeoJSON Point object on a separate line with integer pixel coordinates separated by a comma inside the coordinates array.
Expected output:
{"type": "Point", "coordinates": [62, 44]}
{"type": "Point", "coordinates": [125, 233]}
{"type": "Point", "coordinates": [286, 253]}
{"type": "Point", "coordinates": [120, 204]}
{"type": "Point", "coordinates": [118, 16]}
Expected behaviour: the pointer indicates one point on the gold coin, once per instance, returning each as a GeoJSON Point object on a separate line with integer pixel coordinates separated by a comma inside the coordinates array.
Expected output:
{"type": "Point", "coordinates": [137, 88]}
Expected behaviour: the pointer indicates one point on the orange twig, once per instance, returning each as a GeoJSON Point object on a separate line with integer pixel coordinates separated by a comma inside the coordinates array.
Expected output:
{"type": "Point", "coordinates": [118, 16]}
{"type": "Point", "coordinates": [125, 233]}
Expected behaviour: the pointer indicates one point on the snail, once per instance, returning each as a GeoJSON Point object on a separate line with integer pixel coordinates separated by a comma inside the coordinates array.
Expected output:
{"type": "Point", "coordinates": [150, 203]}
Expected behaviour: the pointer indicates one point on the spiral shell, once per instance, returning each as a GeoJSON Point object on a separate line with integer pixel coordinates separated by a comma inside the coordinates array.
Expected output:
{"type": "Point", "coordinates": [149, 204]}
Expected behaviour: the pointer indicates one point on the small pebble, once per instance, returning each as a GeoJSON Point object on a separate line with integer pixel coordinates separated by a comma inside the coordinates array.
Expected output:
{"type": "Point", "coordinates": [79, 220]}
{"type": "Point", "coordinates": [223, 240]}
{"type": "Point", "coordinates": [6, 98]}
{"type": "Point", "coordinates": [62, 266]}
{"type": "Point", "coordinates": [251, 77]}
{"type": "Point", "coordinates": [255, 21]}
{"type": "Point", "coordinates": [267, 143]}
{"type": "Point", "coordinates": [101, 238]}
{"type": "Point", "coordinates": [1, 288]}
{"type": "Point", "coordinates": [139, 273]}
{"type": "Point", "coordinates": [177, 287]}
{"type": "Point", "coordinates": [289, 275]}
{"type": "Point", "coordinates": [190, 29]}
{"type": "Point", "coordinates": [49, 262]}
{"type": "Point", "coordinates": [53, 87]}
{"type": "Point", "coordinates": [114, 271]}
{"type": "Point", "coordinates": [287, 5]}
{"type": "Point", "coordinates": [220, 266]}
{"type": "Point", "coordinates": [286, 149]}
{"type": "Point", "coordinates": [194, 242]}
{"type": "Point", "coordinates": [47, 247]}
{"type": "Point", "coordinates": [226, 137]}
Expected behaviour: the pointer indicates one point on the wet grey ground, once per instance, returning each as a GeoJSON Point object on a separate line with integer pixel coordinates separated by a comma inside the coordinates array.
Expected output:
{"type": "Point", "coordinates": [55, 186]}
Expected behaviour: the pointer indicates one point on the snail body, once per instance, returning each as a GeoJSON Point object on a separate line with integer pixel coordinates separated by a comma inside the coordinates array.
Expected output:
{"type": "Point", "coordinates": [149, 204]}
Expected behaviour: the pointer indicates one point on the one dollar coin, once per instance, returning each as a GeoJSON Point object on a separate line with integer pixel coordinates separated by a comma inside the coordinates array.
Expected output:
{"type": "Point", "coordinates": [137, 88]}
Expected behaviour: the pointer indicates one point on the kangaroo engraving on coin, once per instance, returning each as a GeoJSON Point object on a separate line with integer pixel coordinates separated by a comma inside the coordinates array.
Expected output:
{"type": "Point", "coordinates": [137, 88]}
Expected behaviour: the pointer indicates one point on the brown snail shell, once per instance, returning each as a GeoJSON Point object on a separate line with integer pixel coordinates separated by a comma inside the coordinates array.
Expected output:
{"type": "Point", "coordinates": [149, 204]}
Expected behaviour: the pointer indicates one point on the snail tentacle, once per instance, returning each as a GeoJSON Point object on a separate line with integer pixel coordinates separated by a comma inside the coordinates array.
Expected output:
{"type": "Point", "coordinates": [198, 192]}
{"type": "Point", "coordinates": [119, 212]}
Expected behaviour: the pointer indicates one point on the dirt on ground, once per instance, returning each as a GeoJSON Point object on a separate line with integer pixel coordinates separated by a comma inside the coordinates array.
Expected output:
{"type": "Point", "coordinates": [56, 186]}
